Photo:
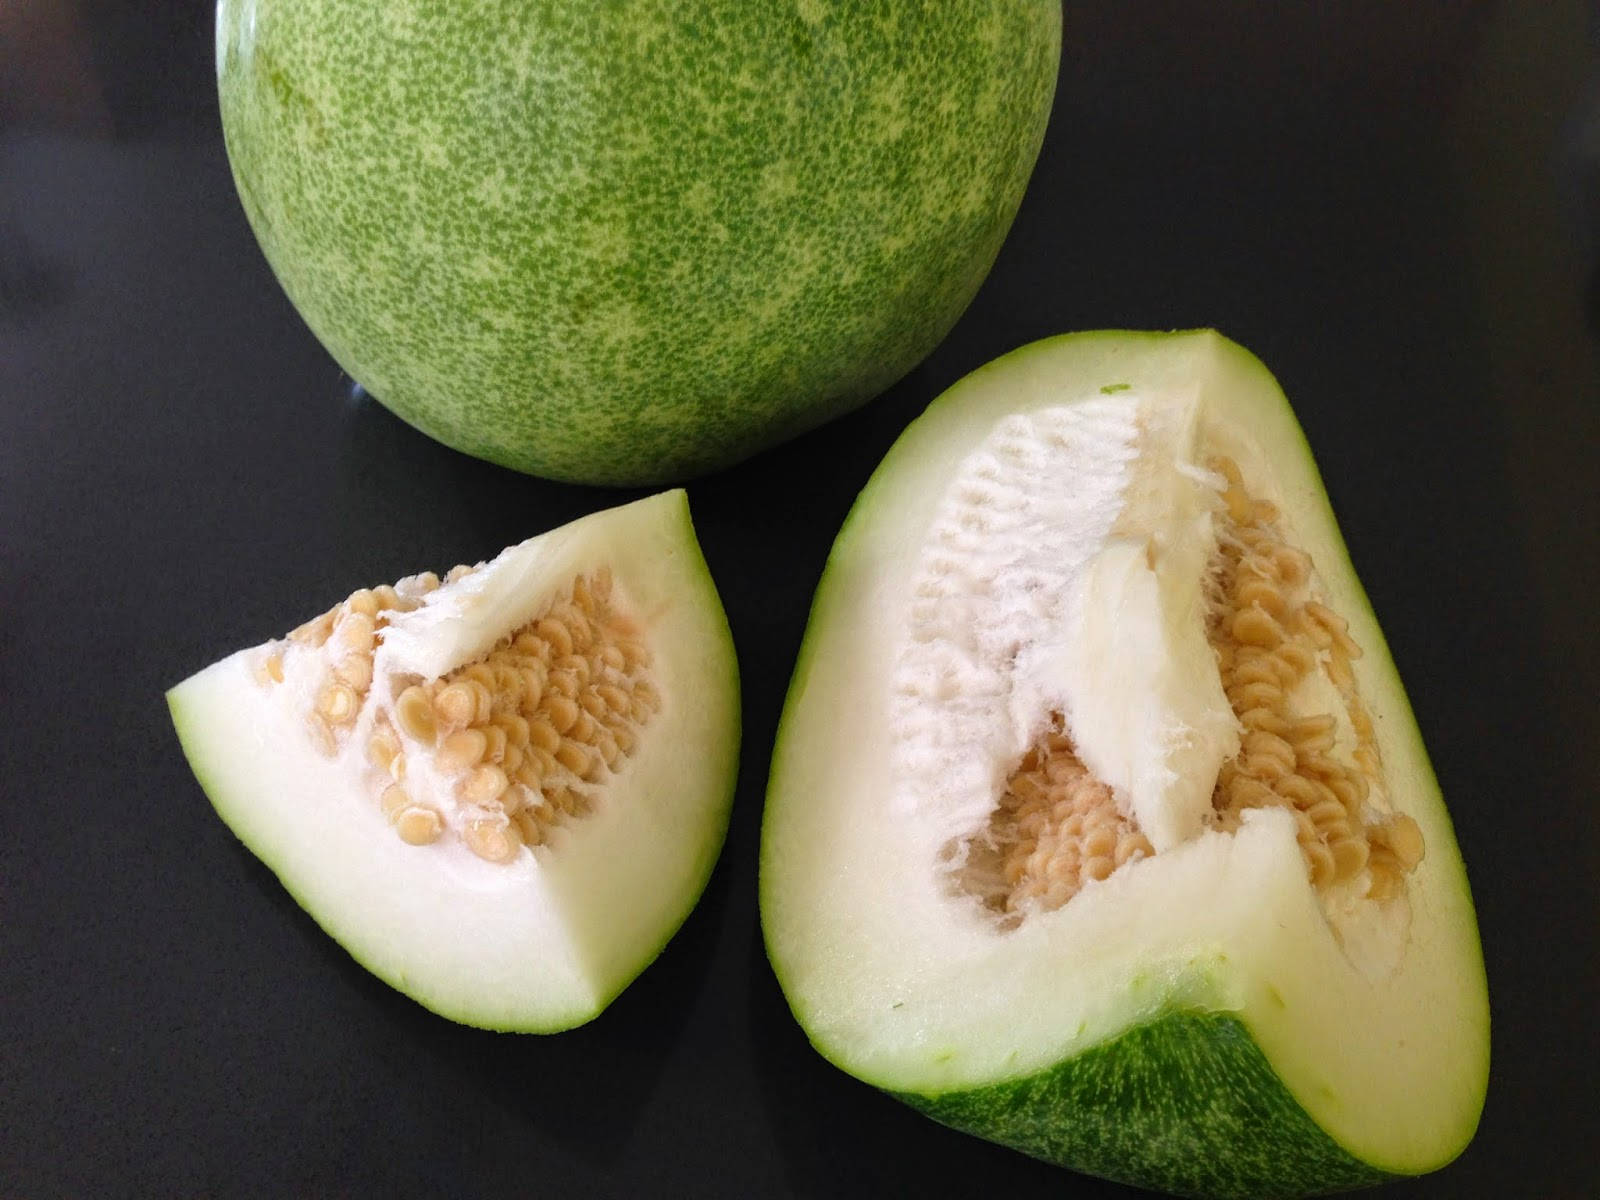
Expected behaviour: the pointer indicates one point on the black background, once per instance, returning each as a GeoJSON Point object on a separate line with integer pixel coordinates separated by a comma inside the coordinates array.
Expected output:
{"type": "Point", "coordinates": [1395, 205]}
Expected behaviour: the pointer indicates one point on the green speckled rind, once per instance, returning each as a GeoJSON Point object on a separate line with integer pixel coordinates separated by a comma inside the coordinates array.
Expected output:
{"type": "Point", "coordinates": [1186, 1104]}
{"type": "Point", "coordinates": [631, 242]}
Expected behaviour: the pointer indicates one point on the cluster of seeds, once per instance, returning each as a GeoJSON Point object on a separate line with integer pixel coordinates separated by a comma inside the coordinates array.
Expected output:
{"type": "Point", "coordinates": [1056, 829]}
{"type": "Point", "coordinates": [346, 636]}
{"type": "Point", "coordinates": [521, 736]}
{"type": "Point", "coordinates": [524, 733]}
{"type": "Point", "coordinates": [1268, 635]}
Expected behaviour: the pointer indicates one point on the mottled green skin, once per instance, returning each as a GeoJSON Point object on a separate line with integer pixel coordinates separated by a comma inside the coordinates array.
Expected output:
{"type": "Point", "coordinates": [631, 242]}
{"type": "Point", "coordinates": [1186, 1104]}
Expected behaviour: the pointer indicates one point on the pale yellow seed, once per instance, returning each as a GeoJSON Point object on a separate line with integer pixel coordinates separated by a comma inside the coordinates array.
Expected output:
{"type": "Point", "coordinates": [575, 758]}
{"type": "Point", "coordinates": [1262, 594]}
{"type": "Point", "coordinates": [514, 726]}
{"type": "Point", "coordinates": [393, 801]}
{"type": "Point", "coordinates": [496, 841]}
{"type": "Point", "coordinates": [556, 635]}
{"type": "Point", "coordinates": [413, 711]}
{"type": "Point", "coordinates": [1258, 742]}
{"type": "Point", "coordinates": [356, 633]}
{"type": "Point", "coordinates": [316, 630]}
{"type": "Point", "coordinates": [1349, 856]}
{"type": "Point", "coordinates": [507, 684]}
{"type": "Point", "coordinates": [530, 645]}
{"type": "Point", "coordinates": [583, 729]}
{"type": "Point", "coordinates": [1327, 814]}
{"type": "Point", "coordinates": [364, 602]}
{"type": "Point", "coordinates": [1228, 469]}
{"type": "Point", "coordinates": [418, 826]}
{"type": "Point", "coordinates": [594, 704]}
{"type": "Point", "coordinates": [1255, 628]}
{"type": "Point", "coordinates": [338, 703]}
{"type": "Point", "coordinates": [494, 743]}
{"type": "Point", "coordinates": [462, 749]}
{"type": "Point", "coordinates": [456, 704]}
{"type": "Point", "coordinates": [382, 747]}
{"type": "Point", "coordinates": [1320, 861]}
{"type": "Point", "coordinates": [1098, 868]}
{"type": "Point", "coordinates": [1303, 792]}
{"type": "Point", "coordinates": [484, 785]}
{"type": "Point", "coordinates": [459, 571]}
{"type": "Point", "coordinates": [625, 738]}
{"type": "Point", "coordinates": [529, 826]}
{"type": "Point", "coordinates": [274, 667]}
{"type": "Point", "coordinates": [1255, 695]}
{"type": "Point", "coordinates": [544, 761]}
{"type": "Point", "coordinates": [634, 655]}
{"type": "Point", "coordinates": [1404, 837]}
{"type": "Point", "coordinates": [612, 658]}
{"type": "Point", "coordinates": [532, 689]}
{"type": "Point", "coordinates": [542, 735]}
{"type": "Point", "coordinates": [606, 744]}
{"type": "Point", "coordinates": [600, 585]}
{"type": "Point", "coordinates": [1294, 566]}
{"type": "Point", "coordinates": [562, 712]}
{"type": "Point", "coordinates": [513, 799]}
{"type": "Point", "coordinates": [355, 670]}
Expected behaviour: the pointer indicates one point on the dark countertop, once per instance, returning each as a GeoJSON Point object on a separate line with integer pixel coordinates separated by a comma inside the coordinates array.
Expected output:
{"type": "Point", "coordinates": [1396, 206]}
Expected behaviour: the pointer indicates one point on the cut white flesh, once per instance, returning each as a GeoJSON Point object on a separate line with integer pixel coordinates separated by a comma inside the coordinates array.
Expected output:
{"type": "Point", "coordinates": [546, 940]}
{"type": "Point", "coordinates": [1036, 545]}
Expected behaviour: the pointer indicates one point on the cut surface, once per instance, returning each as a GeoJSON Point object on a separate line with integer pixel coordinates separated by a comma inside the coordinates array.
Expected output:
{"type": "Point", "coordinates": [1124, 744]}
{"type": "Point", "coordinates": [502, 792]}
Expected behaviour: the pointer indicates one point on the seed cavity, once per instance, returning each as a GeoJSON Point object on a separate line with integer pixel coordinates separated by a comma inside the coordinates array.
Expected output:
{"type": "Point", "coordinates": [522, 735]}
{"type": "Point", "coordinates": [1057, 829]}
{"type": "Point", "coordinates": [525, 733]}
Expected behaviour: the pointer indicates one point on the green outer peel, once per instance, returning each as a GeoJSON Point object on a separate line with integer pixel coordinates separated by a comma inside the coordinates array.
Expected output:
{"type": "Point", "coordinates": [1188, 1078]}
{"type": "Point", "coordinates": [1185, 1104]}
{"type": "Point", "coordinates": [629, 242]}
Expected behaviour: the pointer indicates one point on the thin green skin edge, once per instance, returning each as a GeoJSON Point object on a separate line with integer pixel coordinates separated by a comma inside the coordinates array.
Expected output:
{"type": "Point", "coordinates": [1096, 1097]}
{"type": "Point", "coordinates": [674, 235]}
{"type": "Point", "coordinates": [1186, 1104]}
{"type": "Point", "coordinates": [712, 846]}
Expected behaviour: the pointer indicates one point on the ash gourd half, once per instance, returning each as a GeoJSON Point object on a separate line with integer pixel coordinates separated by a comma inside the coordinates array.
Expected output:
{"type": "Point", "coordinates": [501, 791]}
{"type": "Point", "coordinates": [1131, 857]}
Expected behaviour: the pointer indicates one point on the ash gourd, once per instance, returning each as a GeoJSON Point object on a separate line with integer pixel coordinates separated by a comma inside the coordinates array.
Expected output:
{"type": "Point", "coordinates": [1132, 858]}
{"type": "Point", "coordinates": [501, 791]}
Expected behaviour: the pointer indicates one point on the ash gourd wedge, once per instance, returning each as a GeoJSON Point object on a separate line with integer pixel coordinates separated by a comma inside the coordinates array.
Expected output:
{"type": "Point", "coordinates": [629, 243]}
{"type": "Point", "coordinates": [1099, 824]}
{"type": "Point", "coordinates": [502, 791]}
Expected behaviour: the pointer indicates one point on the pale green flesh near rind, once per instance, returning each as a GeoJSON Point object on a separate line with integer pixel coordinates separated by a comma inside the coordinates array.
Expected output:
{"type": "Point", "coordinates": [630, 242]}
{"type": "Point", "coordinates": [1186, 1104]}
{"type": "Point", "coordinates": [1392, 1070]}
{"type": "Point", "coordinates": [546, 942]}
